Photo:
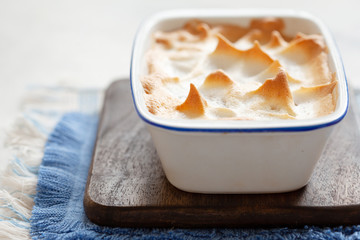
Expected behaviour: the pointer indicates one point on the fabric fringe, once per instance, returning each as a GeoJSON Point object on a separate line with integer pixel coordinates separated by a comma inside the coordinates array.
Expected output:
{"type": "Point", "coordinates": [19, 180]}
{"type": "Point", "coordinates": [41, 109]}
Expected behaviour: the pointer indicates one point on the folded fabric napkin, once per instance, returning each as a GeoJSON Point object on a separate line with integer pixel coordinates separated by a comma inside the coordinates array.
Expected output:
{"type": "Point", "coordinates": [59, 214]}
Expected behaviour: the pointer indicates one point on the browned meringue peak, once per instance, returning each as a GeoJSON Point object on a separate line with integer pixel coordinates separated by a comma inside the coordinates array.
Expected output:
{"type": "Point", "coordinates": [303, 48]}
{"type": "Point", "coordinates": [299, 35]}
{"type": "Point", "coordinates": [194, 105]}
{"type": "Point", "coordinates": [268, 24]}
{"type": "Point", "coordinates": [270, 43]}
{"type": "Point", "coordinates": [230, 32]}
{"type": "Point", "coordinates": [193, 31]}
{"type": "Point", "coordinates": [226, 47]}
{"type": "Point", "coordinates": [256, 54]}
{"type": "Point", "coordinates": [276, 93]}
{"type": "Point", "coordinates": [272, 71]}
{"type": "Point", "coordinates": [251, 36]}
{"type": "Point", "coordinates": [217, 79]}
{"type": "Point", "coordinates": [235, 32]}
{"type": "Point", "coordinates": [276, 41]}
{"type": "Point", "coordinates": [164, 40]}
{"type": "Point", "coordinates": [254, 59]}
{"type": "Point", "coordinates": [197, 28]}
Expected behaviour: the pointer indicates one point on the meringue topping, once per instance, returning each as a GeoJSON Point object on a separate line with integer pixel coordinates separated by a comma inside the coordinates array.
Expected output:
{"type": "Point", "coordinates": [223, 71]}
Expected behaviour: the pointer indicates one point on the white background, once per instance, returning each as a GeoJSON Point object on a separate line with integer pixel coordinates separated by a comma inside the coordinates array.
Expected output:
{"type": "Point", "coordinates": [88, 43]}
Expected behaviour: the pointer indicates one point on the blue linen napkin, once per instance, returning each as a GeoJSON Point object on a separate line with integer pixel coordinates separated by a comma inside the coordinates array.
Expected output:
{"type": "Point", "coordinates": [59, 214]}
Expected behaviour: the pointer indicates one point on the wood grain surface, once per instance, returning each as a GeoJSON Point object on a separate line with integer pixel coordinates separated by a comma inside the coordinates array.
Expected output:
{"type": "Point", "coordinates": [126, 185]}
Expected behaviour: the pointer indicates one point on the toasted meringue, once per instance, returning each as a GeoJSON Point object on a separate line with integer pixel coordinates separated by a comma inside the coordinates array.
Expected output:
{"type": "Point", "coordinates": [239, 73]}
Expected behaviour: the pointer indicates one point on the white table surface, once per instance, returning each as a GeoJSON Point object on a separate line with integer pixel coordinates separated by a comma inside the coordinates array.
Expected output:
{"type": "Point", "coordinates": [88, 43]}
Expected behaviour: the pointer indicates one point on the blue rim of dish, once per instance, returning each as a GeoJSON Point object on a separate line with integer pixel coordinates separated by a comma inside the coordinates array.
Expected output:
{"type": "Point", "coordinates": [236, 130]}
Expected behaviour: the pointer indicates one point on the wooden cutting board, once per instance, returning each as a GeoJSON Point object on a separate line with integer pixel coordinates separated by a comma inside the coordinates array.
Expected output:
{"type": "Point", "coordinates": [126, 185]}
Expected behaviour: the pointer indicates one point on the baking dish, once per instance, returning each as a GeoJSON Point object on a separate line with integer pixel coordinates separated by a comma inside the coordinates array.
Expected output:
{"type": "Point", "coordinates": [229, 156]}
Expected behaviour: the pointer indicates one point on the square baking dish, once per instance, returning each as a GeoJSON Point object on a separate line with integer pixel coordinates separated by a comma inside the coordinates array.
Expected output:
{"type": "Point", "coordinates": [232, 156]}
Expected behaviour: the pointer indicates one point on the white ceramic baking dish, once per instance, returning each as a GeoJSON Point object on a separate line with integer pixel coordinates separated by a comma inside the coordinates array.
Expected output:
{"type": "Point", "coordinates": [225, 156]}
